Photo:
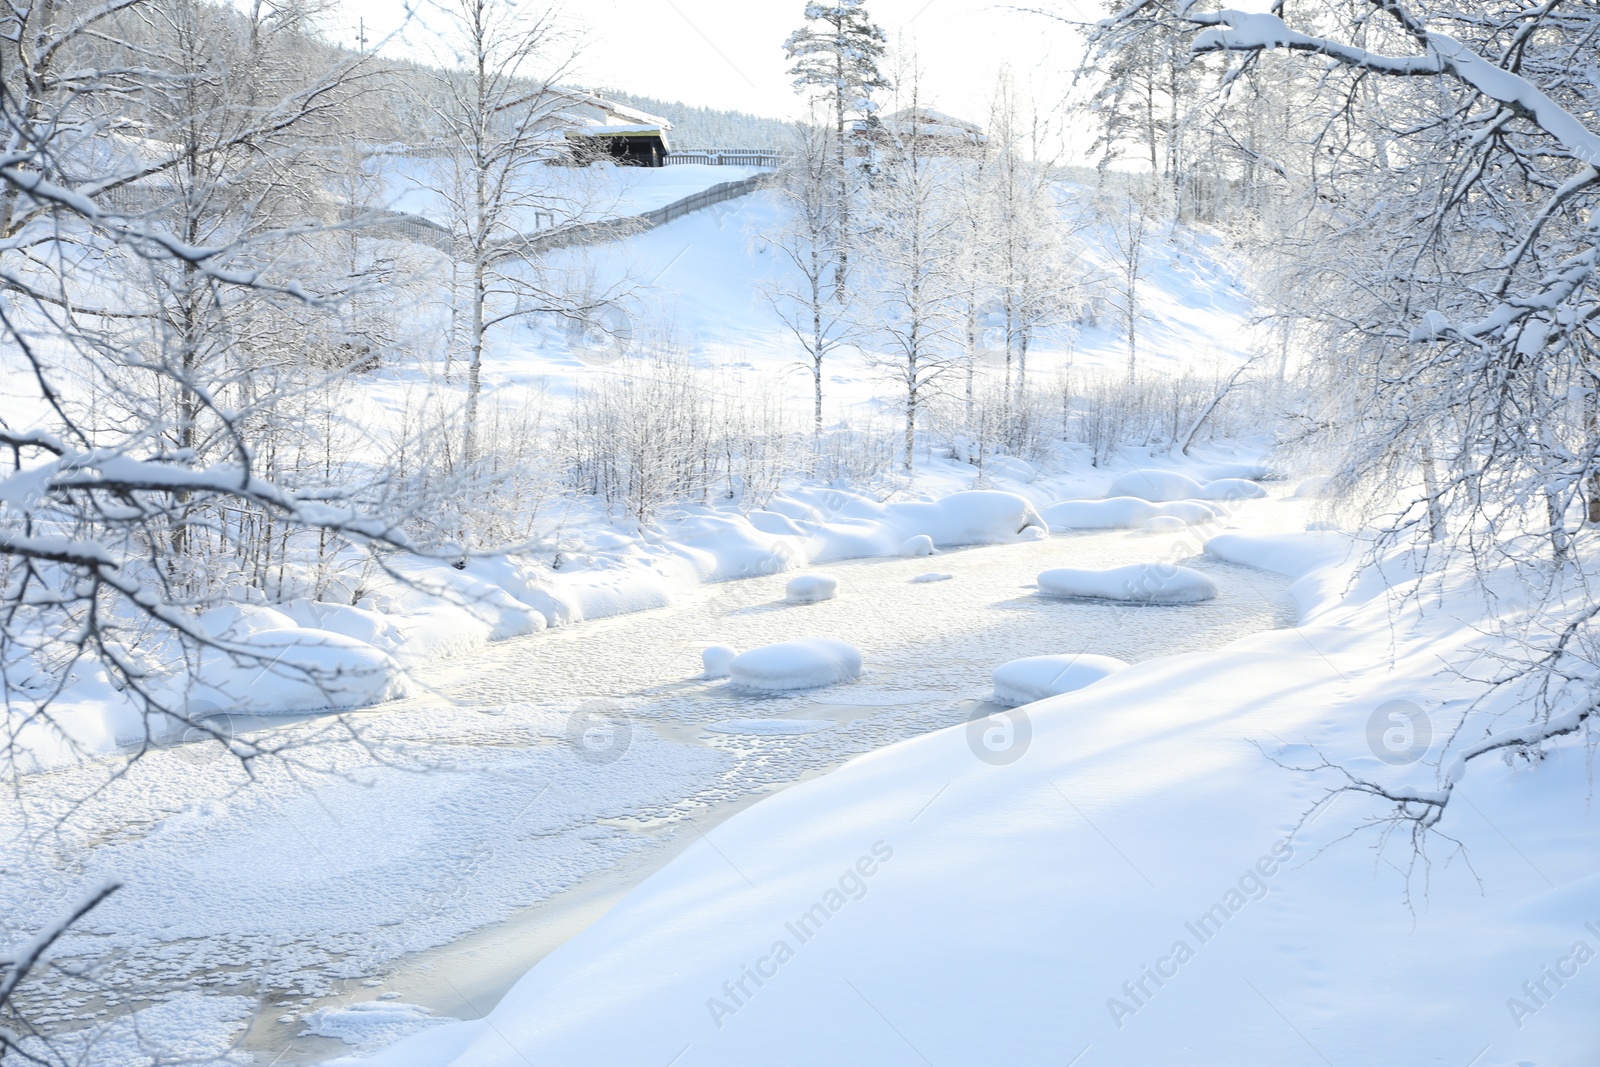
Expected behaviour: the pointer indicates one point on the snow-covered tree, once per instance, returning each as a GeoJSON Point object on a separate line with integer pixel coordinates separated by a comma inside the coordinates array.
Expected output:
{"type": "Point", "coordinates": [499, 103]}
{"type": "Point", "coordinates": [836, 56]}
{"type": "Point", "coordinates": [1029, 233]}
{"type": "Point", "coordinates": [804, 291]}
{"type": "Point", "coordinates": [907, 299]}
{"type": "Point", "coordinates": [1448, 257]}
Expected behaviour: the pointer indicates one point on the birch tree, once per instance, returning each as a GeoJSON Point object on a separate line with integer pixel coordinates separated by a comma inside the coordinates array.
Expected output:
{"type": "Point", "coordinates": [500, 107]}
{"type": "Point", "coordinates": [910, 284]}
{"type": "Point", "coordinates": [805, 292]}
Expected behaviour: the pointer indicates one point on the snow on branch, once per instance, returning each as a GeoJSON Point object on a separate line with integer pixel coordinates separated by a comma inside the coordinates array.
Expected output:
{"type": "Point", "coordinates": [1231, 30]}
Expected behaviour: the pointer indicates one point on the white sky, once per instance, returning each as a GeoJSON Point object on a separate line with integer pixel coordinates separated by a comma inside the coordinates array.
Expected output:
{"type": "Point", "coordinates": [729, 53]}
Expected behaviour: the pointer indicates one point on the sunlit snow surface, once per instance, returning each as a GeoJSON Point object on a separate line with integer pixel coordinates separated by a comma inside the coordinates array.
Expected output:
{"type": "Point", "coordinates": [472, 799]}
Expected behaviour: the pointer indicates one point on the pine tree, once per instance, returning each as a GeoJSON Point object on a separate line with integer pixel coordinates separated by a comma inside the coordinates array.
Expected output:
{"type": "Point", "coordinates": [835, 58]}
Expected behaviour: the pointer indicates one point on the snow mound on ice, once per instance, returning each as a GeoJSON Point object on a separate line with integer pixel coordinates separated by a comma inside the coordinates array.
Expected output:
{"type": "Point", "coordinates": [1124, 513]}
{"type": "Point", "coordinates": [716, 659]}
{"type": "Point", "coordinates": [811, 589]}
{"type": "Point", "coordinates": [372, 1025]}
{"type": "Point", "coordinates": [1232, 489]}
{"type": "Point", "coordinates": [804, 663]}
{"type": "Point", "coordinates": [975, 517]}
{"type": "Point", "coordinates": [932, 576]}
{"type": "Point", "coordinates": [771, 727]}
{"type": "Point", "coordinates": [920, 545]}
{"type": "Point", "coordinates": [1165, 524]}
{"type": "Point", "coordinates": [1290, 554]}
{"type": "Point", "coordinates": [1141, 583]}
{"type": "Point", "coordinates": [1157, 486]}
{"type": "Point", "coordinates": [1022, 681]}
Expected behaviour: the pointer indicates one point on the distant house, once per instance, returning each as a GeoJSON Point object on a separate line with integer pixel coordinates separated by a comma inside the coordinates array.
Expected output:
{"type": "Point", "coordinates": [597, 128]}
{"type": "Point", "coordinates": [573, 125]}
{"type": "Point", "coordinates": [932, 132]}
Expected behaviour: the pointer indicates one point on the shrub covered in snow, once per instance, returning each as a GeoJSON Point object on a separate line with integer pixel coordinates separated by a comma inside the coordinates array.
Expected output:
{"type": "Point", "coordinates": [804, 663]}
{"type": "Point", "coordinates": [811, 589]}
{"type": "Point", "coordinates": [1141, 583]}
{"type": "Point", "coordinates": [1022, 681]}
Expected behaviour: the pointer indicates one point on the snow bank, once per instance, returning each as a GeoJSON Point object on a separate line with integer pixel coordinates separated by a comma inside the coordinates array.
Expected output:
{"type": "Point", "coordinates": [804, 663]}
{"type": "Point", "coordinates": [1290, 554]}
{"type": "Point", "coordinates": [1022, 681]}
{"type": "Point", "coordinates": [1231, 489]}
{"type": "Point", "coordinates": [1156, 485]}
{"type": "Point", "coordinates": [1017, 470]}
{"type": "Point", "coordinates": [716, 659]}
{"type": "Point", "coordinates": [267, 665]}
{"type": "Point", "coordinates": [920, 545]}
{"type": "Point", "coordinates": [1165, 524]}
{"type": "Point", "coordinates": [811, 589]}
{"type": "Point", "coordinates": [1254, 472]}
{"type": "Point", "coordinates": [1142, 583]}
{"type": "Point", "coordinates": [1125, 513]}
{"type": "Point", "coordinates": [975, 517]}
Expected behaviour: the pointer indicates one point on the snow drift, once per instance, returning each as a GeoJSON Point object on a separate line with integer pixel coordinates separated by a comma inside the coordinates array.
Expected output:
{"type": "Point", "coordinates": [1022, 681]}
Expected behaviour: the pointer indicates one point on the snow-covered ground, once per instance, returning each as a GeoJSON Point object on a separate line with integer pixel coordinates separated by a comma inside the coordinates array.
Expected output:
{"type": "Point", "coordinates": [1136, 883]}
{"type": "Point", "coordinates": [297, 891]}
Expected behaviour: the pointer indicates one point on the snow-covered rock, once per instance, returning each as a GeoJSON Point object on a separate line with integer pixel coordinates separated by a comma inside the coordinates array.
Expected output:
{"type": "Point", "coordinates": [1141, 583]}
{"type": "Point", "coordinates": [811, 589]}
{"type": "Point", "coordinates": [716, 659]}
{"type": "Point", "coordinates": [804, 663]}
{"type": "Point", "coordinates": [1156, 485]}
{"type": "Point", "coordinates": [1166, 524]}
{"type": "Point", "coordinates": [920, 545]}
{"type": "Point", "coordinates": [932, 576]}
{"type": "Point", "coordinates": [1022, 681]}
{"type": "Point", "coordinates": [1231, 489]}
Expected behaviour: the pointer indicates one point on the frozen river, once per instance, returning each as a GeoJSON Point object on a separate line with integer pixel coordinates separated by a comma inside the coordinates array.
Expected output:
{"type": "Point", "coordinates": [429, 851]}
